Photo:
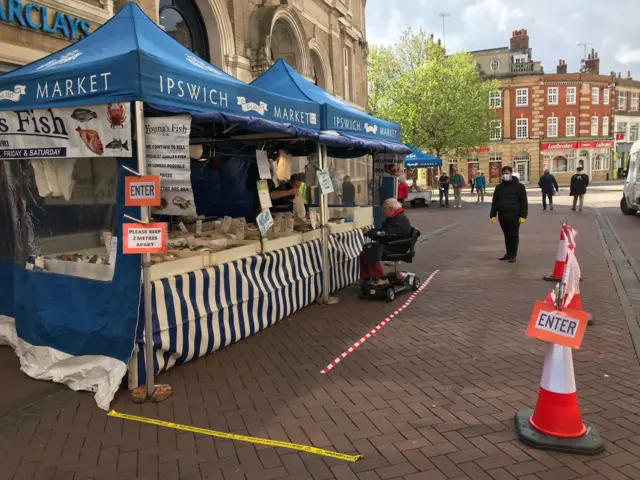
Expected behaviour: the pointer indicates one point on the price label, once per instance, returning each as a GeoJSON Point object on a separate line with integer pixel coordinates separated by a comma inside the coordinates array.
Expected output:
{"type": "Point", "coordinates": [263, 195]}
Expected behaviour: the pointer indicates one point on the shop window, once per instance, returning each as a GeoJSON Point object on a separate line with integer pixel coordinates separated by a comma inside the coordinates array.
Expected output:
{"type": "Point", "coordinates": [571, 95]}
{"type": "Point", "coordinates": [181, 19]}
{"type": "Point", "coordinates": [571, 157]}
{"type": "Point", "coordinates": [570, 127]}
{"type": "Point", "coordinates": [495, 167]}
{"type": "Point", "coordinates": [583, 159]}
{"type": "Point", "coordinates": [552, 95]}
{"type": "Point", "coordinates": [560, 164]}
{"type": "Point", "coordinates": [522, 97]}
{"type": "Point", "coordinates": [600, 163]}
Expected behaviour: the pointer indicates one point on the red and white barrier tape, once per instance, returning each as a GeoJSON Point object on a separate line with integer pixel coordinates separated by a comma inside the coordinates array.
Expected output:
{"type": "Point", "coordinates": [380, 325]}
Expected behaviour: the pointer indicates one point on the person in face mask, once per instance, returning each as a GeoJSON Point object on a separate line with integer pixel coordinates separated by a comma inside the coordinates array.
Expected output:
{"type": "Point", "coordinates": [511, 207]}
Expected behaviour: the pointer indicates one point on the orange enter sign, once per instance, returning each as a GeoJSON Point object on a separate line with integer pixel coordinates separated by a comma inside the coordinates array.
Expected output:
{"type": "Point", "coordinates": [142, 191]}
{"type": "Point", "coordinates": [565, 327]}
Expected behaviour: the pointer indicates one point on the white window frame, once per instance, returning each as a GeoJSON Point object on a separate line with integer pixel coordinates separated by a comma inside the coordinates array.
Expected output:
{"type": "Point", "coordinates": [605, 163]}
{"type": "Point", "coordinates": [552, 96]}
{"type": "Point", "coordinates": [496, 130]}
{"type": "Point", "coordinates": [346, 64]}
{"type": "Point", "coordinates": [570, 122]}
{"type": "Point", "coordinates": [495, 99]}
{"type": "Point", "coordinates": [621, 127]}
{"type": "Point", "coordinates": [605, 126]}
{"type": "Point", "coordinates": [622, 101]}
{"type": "Point", "coordinates": [606, 95]}
{"type": "Point", "coordinates": [553, 164]}
{"type": "Point", "coordinates": [594, 126]}
{"type": "Point", "coordinates": [634, 138]}
{"type": "Point", "coordinates": [522, 93]}
{"type": "Point", "coordinates": [522, 123]}
{"type": "Point", "coordinates": [552, 127]}
{"type": "Point", "coordinates": [595, 95]}
{"type": "Point", "coordinates": [634, 105]}
{"type": "Point", "coordinates": [571, 95]}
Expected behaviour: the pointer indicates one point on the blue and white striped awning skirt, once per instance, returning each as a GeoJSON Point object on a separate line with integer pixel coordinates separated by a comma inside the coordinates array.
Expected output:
{"type": "Point", "coordinates": [199, 312]}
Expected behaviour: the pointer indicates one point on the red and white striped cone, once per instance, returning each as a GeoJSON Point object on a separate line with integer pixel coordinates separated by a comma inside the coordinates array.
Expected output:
{"type": "Point", "coordinates": [561, 260]}
{"type": "Point", "coordinates": [557, 412]}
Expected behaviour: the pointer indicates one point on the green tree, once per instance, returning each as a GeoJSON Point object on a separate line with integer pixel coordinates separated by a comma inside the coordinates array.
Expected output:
{"type": "Point", "coordinates": [439, 100]}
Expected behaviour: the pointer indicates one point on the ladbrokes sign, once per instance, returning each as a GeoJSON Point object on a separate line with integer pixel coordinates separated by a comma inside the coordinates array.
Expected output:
{"type": "Point", "coordinates": [576, 145]}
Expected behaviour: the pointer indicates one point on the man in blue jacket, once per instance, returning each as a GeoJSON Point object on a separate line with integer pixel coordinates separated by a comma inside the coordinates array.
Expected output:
{"type": "Point", "coordinates": [549, 187]}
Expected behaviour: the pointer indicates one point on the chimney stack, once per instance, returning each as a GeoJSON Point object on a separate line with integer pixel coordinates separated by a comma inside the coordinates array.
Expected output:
{"type": "Point", "coordinates": [562, 67]}
{"type": "Point", "coordinates": [520, 41]}
{"type": "Point", "coordinates": [629, 74]}
{"type": "Point", "coordinates": [619, 75]}
{"type": "Point", "coordinates": [592, 63]}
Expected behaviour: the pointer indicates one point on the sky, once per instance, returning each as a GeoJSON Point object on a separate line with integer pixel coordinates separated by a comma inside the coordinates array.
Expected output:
{"type": "Point", "coordinates": [555, 27]}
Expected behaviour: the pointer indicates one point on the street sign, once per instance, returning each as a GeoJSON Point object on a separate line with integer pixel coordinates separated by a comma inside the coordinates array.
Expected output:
{"type": "Point", "coordinates": [142, 191]}
{"type": "Point", "coordinates": [620, 137]}
{"type": "Point", "coordinates": [565, 327]}
{"type": "Point", "coordinates": [148, 238]}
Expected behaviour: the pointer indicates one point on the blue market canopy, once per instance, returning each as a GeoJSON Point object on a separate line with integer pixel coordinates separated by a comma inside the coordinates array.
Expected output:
{"type": "Point", "coordinates": [418, 159]}
{"type": "Point", "coordinates": [336, 115]}
{"type": "Point", "coordinates": [130, 58]}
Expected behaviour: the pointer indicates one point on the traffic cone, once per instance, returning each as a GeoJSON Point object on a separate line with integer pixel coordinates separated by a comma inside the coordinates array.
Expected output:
{"type": "Point", "coordinates": [561, 260]}
{"type": "Point", "coordinates": [556, 424]}
{"type": "Point", "coordinates": [557, 412]}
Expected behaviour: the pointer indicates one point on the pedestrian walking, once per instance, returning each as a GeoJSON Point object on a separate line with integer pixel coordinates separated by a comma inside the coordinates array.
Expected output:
{"type": "Point", "coordinates": [579, 184]}
{"type": "Point", "coordinates": [443, 182]}
{"type": "Point", "coordinates": [481, 186]}
{"type": "Point", "coordinates": [403, 190]}
{"type": "Point", "coordinates": [457, 182]}
{"type": "Point", "coordinates": [549, 187]}
{"type": "Point", "coordinates": [511, 208]}
{"type": "Point", "coordinates": [348, 192]}
{"type": "Point", "coordinates": [472, 183]}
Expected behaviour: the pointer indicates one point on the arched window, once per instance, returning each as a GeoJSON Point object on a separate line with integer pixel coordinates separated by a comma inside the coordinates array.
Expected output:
{"type": "Point", "coordinates": [181, 19]}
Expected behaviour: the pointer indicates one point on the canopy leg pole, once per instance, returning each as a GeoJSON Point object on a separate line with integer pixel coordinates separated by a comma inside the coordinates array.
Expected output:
{"type": "Point", "coordinates": [146, 257]}
{"type": "Point", "coordinates": [326, 299]}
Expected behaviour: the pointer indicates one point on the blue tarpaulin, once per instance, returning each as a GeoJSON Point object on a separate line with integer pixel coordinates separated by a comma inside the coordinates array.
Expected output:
{"type": "Point", "coordinates": [336, 115]}
{"type": "Point", "coordinates": [130, 58]}
{"type": "Point", "coordinates": [418, 159]}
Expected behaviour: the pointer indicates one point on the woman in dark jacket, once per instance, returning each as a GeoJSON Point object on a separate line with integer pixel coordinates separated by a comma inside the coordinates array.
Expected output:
{"type": "Point", "coordinates": [549, 187]}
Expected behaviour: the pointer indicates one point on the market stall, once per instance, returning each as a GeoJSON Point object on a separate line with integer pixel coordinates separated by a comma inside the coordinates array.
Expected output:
{"type": "Point", "coordinates": [422, 177]}
{"type": "Point", "coordinates": [72, 307]}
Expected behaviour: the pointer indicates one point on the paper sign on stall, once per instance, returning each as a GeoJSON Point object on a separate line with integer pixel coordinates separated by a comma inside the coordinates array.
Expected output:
{"type": "Point", "coordinates": [263, 195]}
{"type": "Point", "coordinates": [88, 131]}
{"type": "Point", "coordinates": [264, 221]}
{"type": "Point", "coordinates": [324, 180]}
{"type": "Point", "coordinates": [149, 238]}
{"type": "Point", "coordinates": [263, 165]}
{"type": "Point", "coordinates": [167, 151]}
{"type": "Point", "coordinates": [142, 191]}
{"type": "Point", "coordinates": [565, 327]}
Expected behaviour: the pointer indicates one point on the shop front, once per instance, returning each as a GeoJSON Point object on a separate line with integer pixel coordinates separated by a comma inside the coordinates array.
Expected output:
{"type": "Point", "coordinates": [562, 159]}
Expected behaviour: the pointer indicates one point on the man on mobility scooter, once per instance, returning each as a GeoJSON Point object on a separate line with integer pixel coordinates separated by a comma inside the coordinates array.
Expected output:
{"type": "Point", "coordinates": [394, 242]}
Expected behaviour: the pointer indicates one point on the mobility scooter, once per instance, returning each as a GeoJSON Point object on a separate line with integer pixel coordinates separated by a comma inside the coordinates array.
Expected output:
{"type": "Point", "coordinates": [398, 281]}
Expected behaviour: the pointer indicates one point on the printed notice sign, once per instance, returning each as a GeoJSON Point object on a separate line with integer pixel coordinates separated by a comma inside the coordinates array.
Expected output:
{"type": "Point", "coordinates": [149, 238]}
{"type": "Point", "coordinates": [264, 221]}
{"type": "Point", "coordinates": [565, 327]}
{"type": "Point", "coordinates": [167, 151]}
{"type": "Point", "coordinates": [324, 180]}
{"type": "Point", "coordinates": [142, 191]}
{"type": "Point", "coordinates": [88, 131]}
{"type": "Point", "coordinates": [263, 165]}
{"type": "Point", "coordinates": [263, 194]}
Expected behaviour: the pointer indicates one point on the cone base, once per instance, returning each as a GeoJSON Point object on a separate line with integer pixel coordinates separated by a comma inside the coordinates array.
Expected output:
{"type": "Point", "coordinates": [551, 278]}
{"type": "Point", "coordinates": [589, 444]}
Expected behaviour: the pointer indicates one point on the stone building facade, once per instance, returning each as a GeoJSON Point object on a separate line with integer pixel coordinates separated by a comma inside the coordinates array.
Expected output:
{"type": "Point", "coordinates": [325, 40]}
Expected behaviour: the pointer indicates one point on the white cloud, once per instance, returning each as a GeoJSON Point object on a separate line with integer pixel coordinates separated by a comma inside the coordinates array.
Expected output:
{"type": "Point", "coordinates": [628, 55]}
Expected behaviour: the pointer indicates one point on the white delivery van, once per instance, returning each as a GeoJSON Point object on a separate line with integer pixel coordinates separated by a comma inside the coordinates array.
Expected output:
{"type": "Point", "coordinates": [630, 203]}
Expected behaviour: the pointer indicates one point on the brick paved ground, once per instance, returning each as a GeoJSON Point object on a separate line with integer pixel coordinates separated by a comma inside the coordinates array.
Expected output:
{"type": "Point", "coordinates": [431, 396]}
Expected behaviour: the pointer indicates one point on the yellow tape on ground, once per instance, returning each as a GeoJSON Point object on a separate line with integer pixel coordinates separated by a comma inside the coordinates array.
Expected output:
{"type": "Point", "coordinates": [233, 436]}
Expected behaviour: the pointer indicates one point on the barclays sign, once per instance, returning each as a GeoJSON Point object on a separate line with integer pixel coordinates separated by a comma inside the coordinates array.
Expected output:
{"type": "Point", "coordinates": [37, 17]}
